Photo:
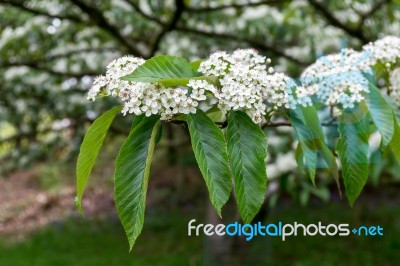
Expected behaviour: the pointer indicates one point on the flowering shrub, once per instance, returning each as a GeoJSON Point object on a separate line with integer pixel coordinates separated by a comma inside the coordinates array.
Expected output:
{"type": "Point", "coordinates": [245, 93]}
{"type": "Point", "coordinates": [237, 81]}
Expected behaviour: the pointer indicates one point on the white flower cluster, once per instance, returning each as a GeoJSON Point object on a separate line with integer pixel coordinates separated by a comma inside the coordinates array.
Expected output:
{"type": "Point", "coordinates": [111, 84]}
{"type": "Point", "coordinates": [246, 82]}
{"type": "Point", "coordinates": [143, 98]}
{"type": "Point", "coordinates": [395, 85]}
{"type": "Point", "coordinates": [339, 79]}
{"type": "Point", "coordinates": [385, 51]}
{"type": "Point", "coordinates": [248, 85]}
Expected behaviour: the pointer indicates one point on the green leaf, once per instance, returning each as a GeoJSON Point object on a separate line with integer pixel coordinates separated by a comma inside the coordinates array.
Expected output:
{"type": "Point", "coordinates": [353, 153]}
{"type": "Point", "coordinates": [90, 149]}
{"type": "Point", "coordinates": [174, 82]}
{"type": "Point", "coordinates": [381, 113]}
{"type": "Point", "coordinates": [159, 133]}
{"type": "Point", "coordinates": [136, 121]}
{"type": "Point", "coordinates": [196, 64]}
{"type": "Point", "coordinates": [209, 147]}
{"type": "Point", "coordinates": [163, 68]}
{"type": "Point", "coordinates": [395, 142]}
{"type": "Point", "coordinates": [312, 145]}
{"type": "Point", "coordinates": [168, 70]}
{"type": "Point", "coordinates": [247, 150]}
{"type": "Point", "coordinates": [184, 81]}
{"type": "Point", "coordinates": [215, 114]}
{"type": "Point", "coordinates": [132, 171]}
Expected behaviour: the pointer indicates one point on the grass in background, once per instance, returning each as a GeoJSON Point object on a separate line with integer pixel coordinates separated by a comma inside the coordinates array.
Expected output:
{"type": "Point", "coordinates": [77, 241]}
{"type": "Point", "coordinates": [164, 240]}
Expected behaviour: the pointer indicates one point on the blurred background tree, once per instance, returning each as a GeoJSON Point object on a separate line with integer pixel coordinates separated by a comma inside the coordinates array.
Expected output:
{"type": "Point", "coordinates": [50, 50]}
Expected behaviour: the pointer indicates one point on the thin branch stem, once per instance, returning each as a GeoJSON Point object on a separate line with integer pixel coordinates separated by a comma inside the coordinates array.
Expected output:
{"type": "Point", "coordinates": [269, 124]}
{"type": "Point", "coordinates": [236, 6]}
{"type": "Point", "coordinates": [97, 17]}
{"type": "Point", "coordinates": [21, 6]}
{"type": "Point", "coordinates": [179, 9]}
{"type": "Point", "coordinates": [376, 7]}
{"type": "Point", "coordinates": [138, 9]}
{"type": "Point", "coordinates": [334, 21]}
{"type": "Point", "coordinates": [259, 44]}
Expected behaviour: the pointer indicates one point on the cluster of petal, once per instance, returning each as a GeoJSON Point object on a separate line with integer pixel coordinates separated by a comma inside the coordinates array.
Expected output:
{"type": "Point", "coordinates": [247, 84]}
{"type": "Point", "coordinates": [111, 84]}
{"type": "Point", "coordinates": [143, 98]}
{"type": "Point", "coordinates": [385, 50]}
{"type": "Point", "coordinates": [338, 79]}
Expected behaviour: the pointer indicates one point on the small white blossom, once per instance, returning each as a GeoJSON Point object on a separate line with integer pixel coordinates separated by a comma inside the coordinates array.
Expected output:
{"type": "Point", "coordinates": [338, 79]}
{"type": "Point", "coordinates": [385, 50]}
{"type": "Point", "coordinates": [99, 83]}
{"type": "Point", "coordinates": [247, 84]}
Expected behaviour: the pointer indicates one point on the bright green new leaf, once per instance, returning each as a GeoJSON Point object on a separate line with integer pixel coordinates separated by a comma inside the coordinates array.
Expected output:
{"type": "Point", "coordinates": [381, 113]}
{"type": "Point", "coordinates": [196, 64]}
{"type": "Point", "coordinates": [307, 150]}
{"type": "Point", "coordinates": [247, 151]}
{"type": "Point", "coordinates": [163, 68]}
{"type": "Point", "coordinates": [184, 81]}
{"type": "Point", "coordinates": [307, 126]}
{"type": "Point", "coordinates": [209, 147]}
{"type": "Point", "coordinates": [353, 153]}
{"type": "Point", "coordinates": [90, 149]}
{"type": "Point", "coordinates": [132, 171]}
{"type": "Point", "coordinates": [395, 142]}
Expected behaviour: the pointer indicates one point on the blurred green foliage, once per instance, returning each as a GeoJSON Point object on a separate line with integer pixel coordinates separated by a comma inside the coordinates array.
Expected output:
{"type": "Point", "coordinates": [50, 50]}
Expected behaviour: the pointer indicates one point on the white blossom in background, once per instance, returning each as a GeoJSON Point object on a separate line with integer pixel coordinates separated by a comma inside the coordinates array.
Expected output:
{"type": "Point", "coordinates": [395, 85]}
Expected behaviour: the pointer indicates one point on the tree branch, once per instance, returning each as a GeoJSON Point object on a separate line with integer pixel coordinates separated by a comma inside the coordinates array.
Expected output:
{"type": "Point", "coordinates": [137, 8]}
{"type": "Point", "coordinates": [21, 6]}
{"type": "Point", "coordinates": [98, 18]}
{"type": "Point", "coordinates": [80, 51]}
{"type": "Point", "coordinates": [35, 63]}
{"type": "Point", "coordinates": [354, 32]}
{"type": "Point", "coordinates": [179, 8]}
{"type": "Point", "coordinates": [254, 43]}
{"type": "Point", "coordinates": [268, 124]}
{"type": "Point", "coordinates": [376, 7]}
{"type": "Point", "coordinates": [36, 66]}
{"type": "Point", "coordinates": [236, 6]}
